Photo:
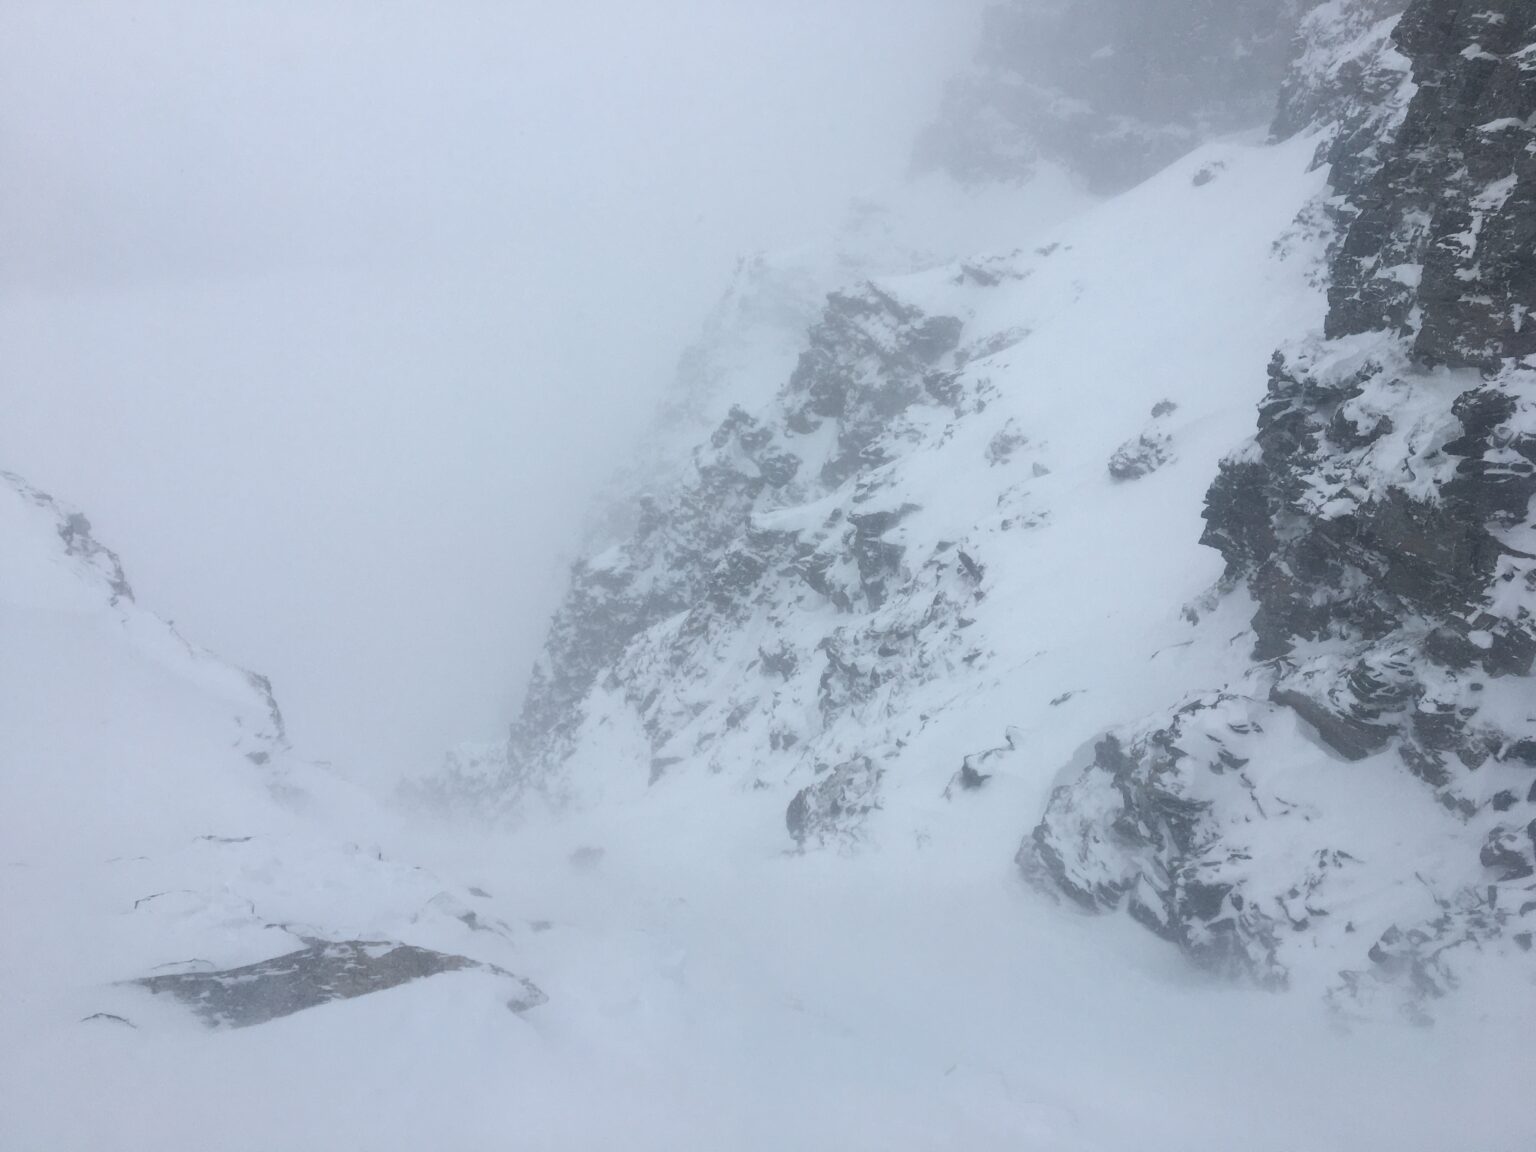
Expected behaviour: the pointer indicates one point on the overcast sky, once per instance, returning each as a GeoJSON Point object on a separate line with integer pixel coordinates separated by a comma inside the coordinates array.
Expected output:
{"type": "Point", "coordinates": [332, 315]}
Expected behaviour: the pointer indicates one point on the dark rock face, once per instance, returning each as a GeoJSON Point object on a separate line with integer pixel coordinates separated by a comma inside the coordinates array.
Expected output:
{"type": "Point", "coordinates": [1381, 516]}
{"type": "Point", "coordinates": [317, 974]}
{"type": "Point", "coordinates": [1454, 199]}
{"type": "Point", "coordinates": [1375, 509]}
{"type": "Point", "coordinates": [1115, 88]}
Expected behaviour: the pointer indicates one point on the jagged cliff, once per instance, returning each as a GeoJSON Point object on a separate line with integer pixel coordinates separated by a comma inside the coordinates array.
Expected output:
{"type": "Point", "coordinates": [1380, 522]}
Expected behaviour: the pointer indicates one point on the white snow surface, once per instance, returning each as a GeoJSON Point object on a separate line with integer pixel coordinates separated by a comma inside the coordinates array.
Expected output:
{"type": "Point", "coordinates": [708, 989]}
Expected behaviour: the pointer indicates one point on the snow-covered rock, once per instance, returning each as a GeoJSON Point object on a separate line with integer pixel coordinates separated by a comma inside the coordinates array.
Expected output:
{"type": "Point", "coordinates": [1380, 521]}
{"type": "Point", "coordinates": [913, 521]}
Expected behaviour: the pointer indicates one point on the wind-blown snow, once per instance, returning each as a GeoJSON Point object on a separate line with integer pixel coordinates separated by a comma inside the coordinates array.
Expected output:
{"type": "Point", "coordinates": [709, 988]}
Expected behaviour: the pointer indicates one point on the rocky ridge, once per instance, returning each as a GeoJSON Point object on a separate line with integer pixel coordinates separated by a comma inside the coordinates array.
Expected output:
{"type": "Point", "coordinates": [1380, 522]}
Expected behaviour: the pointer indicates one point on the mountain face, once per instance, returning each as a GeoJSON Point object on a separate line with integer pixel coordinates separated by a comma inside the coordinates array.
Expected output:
{"type": "Point", "coordinates": [1379, 521]}
{"type": "Point", "coordinates": [961, 545]}
{"type": "Point", "coordinates": [1116, 88]}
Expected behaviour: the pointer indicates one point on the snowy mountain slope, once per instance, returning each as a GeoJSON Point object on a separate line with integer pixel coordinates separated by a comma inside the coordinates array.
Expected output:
{"type": "Point", "coordinates": [156, 834]}
{"type": "Point", "coordinates": [907, 596]}
{"type": "Point", "coordinates": [1380, 520]}
{"type": "Point", "coordinates": [905, 531]}
{"type": "Point", "coordinates": [904, 989]}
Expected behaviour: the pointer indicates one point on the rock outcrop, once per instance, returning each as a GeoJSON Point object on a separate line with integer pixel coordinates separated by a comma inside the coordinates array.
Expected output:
{"type": "Point", "coordinates": [1380, 519]}
{"type": "Point", "coordinates": [319, 973]}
